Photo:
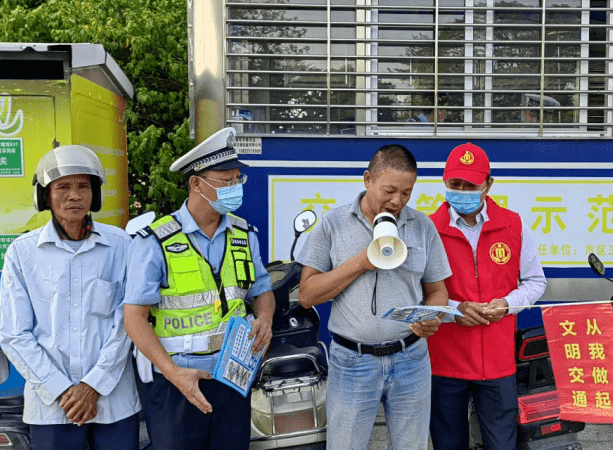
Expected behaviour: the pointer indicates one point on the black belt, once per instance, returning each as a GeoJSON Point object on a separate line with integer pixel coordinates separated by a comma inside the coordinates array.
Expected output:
{"type": "Point", "coordinates": [382, 349]}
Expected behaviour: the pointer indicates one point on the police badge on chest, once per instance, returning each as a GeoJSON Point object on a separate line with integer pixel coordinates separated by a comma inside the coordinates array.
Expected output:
{"type": "Point", "coordinates": [177, 248]}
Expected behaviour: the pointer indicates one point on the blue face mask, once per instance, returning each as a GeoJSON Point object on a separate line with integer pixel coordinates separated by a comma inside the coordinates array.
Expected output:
{"type": "Point", "coordinates": [229, 198]}
{"type": "Point", "coordinates": [464, 202]}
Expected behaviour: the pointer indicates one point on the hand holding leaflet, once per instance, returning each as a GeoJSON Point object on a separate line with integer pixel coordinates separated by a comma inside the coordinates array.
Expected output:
{"type": "Point", "coordinates": [417, 313]}
{"type": "Point", "coordinates": [237, 364]}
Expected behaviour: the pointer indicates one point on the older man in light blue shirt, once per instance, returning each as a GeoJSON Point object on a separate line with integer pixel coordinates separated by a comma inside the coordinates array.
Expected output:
{"type": "Point", "coordinates": [61, 314]}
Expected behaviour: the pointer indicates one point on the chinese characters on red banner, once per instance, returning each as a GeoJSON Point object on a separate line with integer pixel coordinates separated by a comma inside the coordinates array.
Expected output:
{"type": "Point", "coordinates": [580, 344]}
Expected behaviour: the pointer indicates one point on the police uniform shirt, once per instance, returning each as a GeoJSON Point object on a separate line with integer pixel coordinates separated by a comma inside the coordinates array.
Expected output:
{"type": "Point", "coordinates": [147, 269]}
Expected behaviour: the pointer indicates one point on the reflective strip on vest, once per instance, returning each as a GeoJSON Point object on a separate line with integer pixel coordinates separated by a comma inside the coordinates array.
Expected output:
{"type": "Point", "coordinates": [199, 299]}
{"type": "Point", "coordinates": [193, 343]}
{"type": "Point", "coordinates": [172, 323]}
{"type": "Point", "coordinates": [164, 230]}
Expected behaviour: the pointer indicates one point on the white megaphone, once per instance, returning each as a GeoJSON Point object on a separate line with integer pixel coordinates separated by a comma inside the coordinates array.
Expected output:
{"type": "Point", "coordinates": [387, 250]}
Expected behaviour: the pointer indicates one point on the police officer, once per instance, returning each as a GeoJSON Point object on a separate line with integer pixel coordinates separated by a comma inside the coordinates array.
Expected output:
{"type": "Point", "coordinates": [189, 272]}
{"type": "Point", "coordinates": [61, 321]}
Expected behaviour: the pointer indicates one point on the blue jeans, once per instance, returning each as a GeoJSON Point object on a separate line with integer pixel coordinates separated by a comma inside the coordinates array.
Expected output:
{"type": "Point", "coordinates": [356, 385]}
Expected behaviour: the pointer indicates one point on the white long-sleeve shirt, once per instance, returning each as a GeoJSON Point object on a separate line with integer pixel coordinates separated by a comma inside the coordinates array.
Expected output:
{"type": "Point", "coordinates": [61, 321]}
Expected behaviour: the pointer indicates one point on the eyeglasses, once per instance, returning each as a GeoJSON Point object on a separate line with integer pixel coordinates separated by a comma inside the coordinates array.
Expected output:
{"type": "Point", "coordinates": [238, 181]}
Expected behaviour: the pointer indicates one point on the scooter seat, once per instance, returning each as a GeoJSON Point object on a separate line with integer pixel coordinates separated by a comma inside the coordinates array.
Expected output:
{"type": "Point", "coordinates": [11, 404]}
{"type": "Point", "coordinates": [287, 361]}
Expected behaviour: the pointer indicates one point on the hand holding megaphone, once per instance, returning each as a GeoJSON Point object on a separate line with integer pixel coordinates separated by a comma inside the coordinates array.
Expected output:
{"type": "Point", "coordinates": [387, 250]}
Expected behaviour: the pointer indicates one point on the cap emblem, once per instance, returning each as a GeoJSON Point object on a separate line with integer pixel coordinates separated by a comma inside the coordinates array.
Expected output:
{"type": "Point", "coordinates": [467, 159]}
{"type": "Point", "coordinates": [230, 141]}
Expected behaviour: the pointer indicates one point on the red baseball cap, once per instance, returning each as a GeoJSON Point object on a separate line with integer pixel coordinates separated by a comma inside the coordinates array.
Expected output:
{"type": "Point", "coordinates": [467, 162]}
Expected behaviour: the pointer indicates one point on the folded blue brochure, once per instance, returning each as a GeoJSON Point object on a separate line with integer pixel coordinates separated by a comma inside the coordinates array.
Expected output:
{"type": "Point", "coordinates": [417, 313]}
{"type": "Point", "coordinates": [237, 364]}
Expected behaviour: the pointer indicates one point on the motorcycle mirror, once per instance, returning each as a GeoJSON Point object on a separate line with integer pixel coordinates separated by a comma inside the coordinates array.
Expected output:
{"type": "Point", "coordinates": [304, 220]}
{"type": "Point", "coordinates": [136, 224]}
{"type": "Point", "coordinates": [597, 265]}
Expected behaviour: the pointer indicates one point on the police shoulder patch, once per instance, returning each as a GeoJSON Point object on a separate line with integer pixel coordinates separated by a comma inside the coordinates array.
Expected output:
{"type": "Point", "coordinates": [145, 232]}
{"type": "Point", "coordinates": [177, 248]}
{"type": "Point", "coordinates": [237, 222]}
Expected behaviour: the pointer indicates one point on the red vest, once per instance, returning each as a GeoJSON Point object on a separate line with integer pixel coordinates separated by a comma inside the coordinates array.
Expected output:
{"type": "Point", "coordinates": [479, 352]}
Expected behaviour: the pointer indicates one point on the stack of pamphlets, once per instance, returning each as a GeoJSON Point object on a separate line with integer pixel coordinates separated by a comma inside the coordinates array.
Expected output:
{"type": "Point", "coordinates": [237, 364]}
{"type": "Point", "coordinates": [417, 313]}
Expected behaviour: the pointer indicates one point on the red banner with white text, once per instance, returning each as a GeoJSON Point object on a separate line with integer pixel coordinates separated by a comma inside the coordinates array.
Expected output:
{"type": "Point", "coordinates": [580, 344]}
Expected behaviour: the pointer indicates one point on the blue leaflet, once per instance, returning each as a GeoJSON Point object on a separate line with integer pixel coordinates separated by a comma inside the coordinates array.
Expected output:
{"type": "Point", "coordinates": [237, 364]}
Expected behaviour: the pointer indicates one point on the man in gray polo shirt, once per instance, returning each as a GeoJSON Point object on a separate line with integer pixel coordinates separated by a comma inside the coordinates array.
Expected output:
{"type": "Point", "coordinates": [375, 360]}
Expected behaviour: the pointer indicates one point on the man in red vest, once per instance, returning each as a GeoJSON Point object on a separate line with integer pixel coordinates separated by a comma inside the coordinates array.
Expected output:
{"type": "Point", "coordinates": [495, 266]}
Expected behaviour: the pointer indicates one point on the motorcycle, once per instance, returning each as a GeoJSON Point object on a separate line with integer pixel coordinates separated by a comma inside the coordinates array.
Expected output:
{"type": "Point", "coordinates": [539, 426]}
{"type": "Point", "coordinates": [289, 392]}
{"type": "Point", "coordinates": [14, 433]}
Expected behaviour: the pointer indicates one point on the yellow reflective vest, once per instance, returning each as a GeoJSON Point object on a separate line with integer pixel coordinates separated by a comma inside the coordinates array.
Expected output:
{"type": "Point", "coordinates": [197, 302]}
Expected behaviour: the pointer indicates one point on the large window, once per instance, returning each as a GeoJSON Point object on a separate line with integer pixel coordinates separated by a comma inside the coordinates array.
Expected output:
{"type": "Point", "coordinates": [420, 67]}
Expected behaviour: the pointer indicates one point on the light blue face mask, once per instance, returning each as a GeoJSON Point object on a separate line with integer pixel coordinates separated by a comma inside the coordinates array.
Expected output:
{"type": "Point", "coordinates": [229, 198]}
{"type": "Point", "coordinates": [464, 202]}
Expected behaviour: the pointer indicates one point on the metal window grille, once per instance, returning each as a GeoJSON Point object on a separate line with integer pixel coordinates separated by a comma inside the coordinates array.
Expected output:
{"type": "Point", "coordinates": [524, 68]}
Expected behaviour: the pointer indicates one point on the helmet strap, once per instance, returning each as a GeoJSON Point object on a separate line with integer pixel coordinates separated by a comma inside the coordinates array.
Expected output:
{"type": "Point", "coordinates": [86, 228]}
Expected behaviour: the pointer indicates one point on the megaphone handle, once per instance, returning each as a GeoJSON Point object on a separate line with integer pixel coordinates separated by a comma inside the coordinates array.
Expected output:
{"type": "Point", "coordinates": [374, 298]}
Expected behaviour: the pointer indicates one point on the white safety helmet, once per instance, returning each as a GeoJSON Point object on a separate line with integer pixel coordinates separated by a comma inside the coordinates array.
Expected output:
{"type": "Point", "coordinates": [68, 160]}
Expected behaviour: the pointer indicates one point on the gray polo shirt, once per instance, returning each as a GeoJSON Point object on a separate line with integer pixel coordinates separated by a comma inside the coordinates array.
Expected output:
{"type": "Point", "coordinates": [341, 234]}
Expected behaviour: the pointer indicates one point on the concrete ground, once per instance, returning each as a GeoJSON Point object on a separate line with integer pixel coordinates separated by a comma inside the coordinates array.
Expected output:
{"type": "Point", "coordinates": [594, 436]}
